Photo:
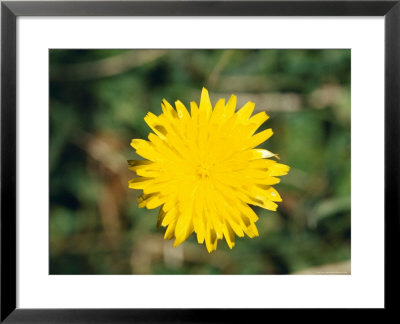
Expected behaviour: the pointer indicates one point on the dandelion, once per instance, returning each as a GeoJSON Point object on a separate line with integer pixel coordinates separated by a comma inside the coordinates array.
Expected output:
{"type": "Point", "coordinates": [203, 170]}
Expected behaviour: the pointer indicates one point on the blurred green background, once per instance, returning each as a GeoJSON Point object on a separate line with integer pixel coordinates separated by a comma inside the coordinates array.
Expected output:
{"type": "Point", "coordinates": [98, 99]}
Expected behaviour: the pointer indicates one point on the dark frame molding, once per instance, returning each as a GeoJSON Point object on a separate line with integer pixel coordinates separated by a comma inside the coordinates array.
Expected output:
{"type": "Point", "coordinates": [10, 10]}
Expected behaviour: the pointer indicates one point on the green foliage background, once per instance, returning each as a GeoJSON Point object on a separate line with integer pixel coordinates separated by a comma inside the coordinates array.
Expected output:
{"type": "Point", "coordinates": [98, 99]}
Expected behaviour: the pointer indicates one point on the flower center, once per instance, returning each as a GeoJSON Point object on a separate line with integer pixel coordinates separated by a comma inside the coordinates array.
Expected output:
{"type": "Point", "coordinates": [203, 171]}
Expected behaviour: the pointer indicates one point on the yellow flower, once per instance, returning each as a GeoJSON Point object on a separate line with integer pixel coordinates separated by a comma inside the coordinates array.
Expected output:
{"type": "Point", "coordinates": [204, 170]}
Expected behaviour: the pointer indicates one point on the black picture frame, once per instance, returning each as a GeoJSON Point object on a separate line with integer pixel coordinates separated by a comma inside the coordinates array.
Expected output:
{"type": "Point", "coordinates": [10, 10]}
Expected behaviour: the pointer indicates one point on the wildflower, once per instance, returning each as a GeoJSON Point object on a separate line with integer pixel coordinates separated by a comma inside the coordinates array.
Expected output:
{"type": "Point", "coordinates": [203, 169]}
